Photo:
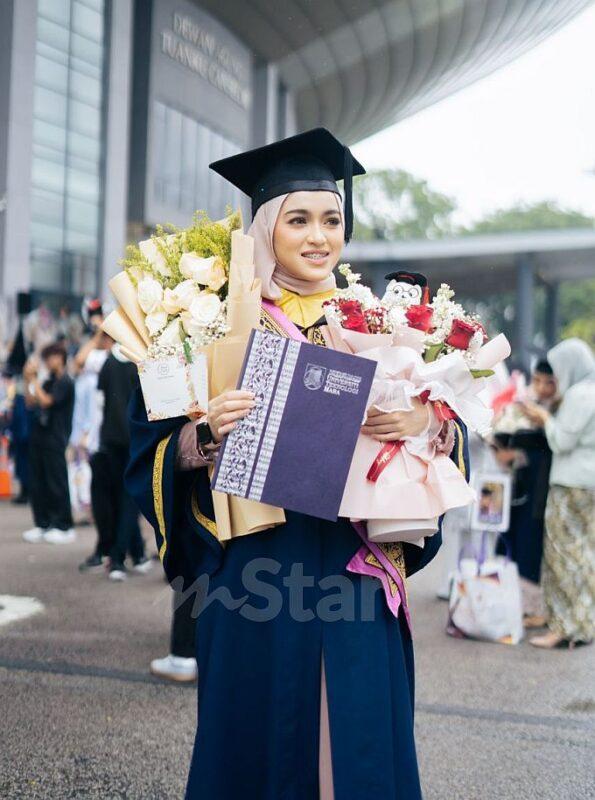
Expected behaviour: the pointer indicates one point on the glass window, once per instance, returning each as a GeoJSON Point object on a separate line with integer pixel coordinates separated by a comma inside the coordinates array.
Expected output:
{"type": "Point", "coordinates": [171, 157]}
{"type": "Point", "coordinates": [87, 22]}
{"type": "Point", "coordinates": [82, 216]}
{"type": "Point", "coordinates": [56, 36]}
{"type": "Point", "coordinates": [82, 185]}
{"type": "Point", "coordinates": [47, 206]}
{"type": "Point", "coordinates": [85, 119]}
{"type": "Point", "coordinates": [67, 145]}
{"type": "Point", "coordinates": [85, 49]}
{"type": "Point", "coordinates": [83, 146]}
{"type": "Point", "coordinates": [78, 242]}
{"type": "Point", "coordinates": [47, 234]}
{"type": "Point", "coordinates": [45, 133]}
{"type": "Point", "coordinates": [51, 74]}
{"type": "Point", "coordinates": [55, 10]}
{"type": "Point", "coordinates": [50, 106]}
{"type": "Point", "coordinates": [182, 149]}
{"type": "Point", "coordinates": [47, 175]}
{"type": "Point", "coordinates": [85, 88]}
{"type": "Point", "coordinates": [188, 165]}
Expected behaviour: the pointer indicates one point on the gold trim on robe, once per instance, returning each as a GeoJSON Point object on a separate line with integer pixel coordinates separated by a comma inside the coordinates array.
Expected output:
{"type": "Point", "coordinates": [209, 524]}
{"type": "Point", "coordinates": [158, 491]}
{"type": "Point", "coordinates": [460, 450]}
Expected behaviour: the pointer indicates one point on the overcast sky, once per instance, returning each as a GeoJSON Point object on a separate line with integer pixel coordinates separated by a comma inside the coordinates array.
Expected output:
{"type": "Point", "coordinates": [526, 132]}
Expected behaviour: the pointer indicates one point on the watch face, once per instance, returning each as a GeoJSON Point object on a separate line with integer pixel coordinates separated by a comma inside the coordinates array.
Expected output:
{"type": "Point", "coordinates": [203, 433]}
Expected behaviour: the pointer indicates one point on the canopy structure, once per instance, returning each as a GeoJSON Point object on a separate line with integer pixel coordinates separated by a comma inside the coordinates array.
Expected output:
{"type": "Point", "coordinates": [357, 66]}
{"type": "Point", "coordinates": [480, 266]}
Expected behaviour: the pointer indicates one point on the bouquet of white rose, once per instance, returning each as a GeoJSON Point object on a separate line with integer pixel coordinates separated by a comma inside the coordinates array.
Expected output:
{"type": "Point", "coordinates": [173, 296]}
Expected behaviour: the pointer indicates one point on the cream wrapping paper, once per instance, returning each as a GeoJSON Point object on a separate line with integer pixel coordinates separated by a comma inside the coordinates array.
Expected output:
{"type": "Point", "coordinates": [492, 353]}
{"type": "Point", "coordinates": [236, 516]}
{"type": "Point", "coordinates": [119, 327]}
{"type": "Point", "coordinates": [125, 293]}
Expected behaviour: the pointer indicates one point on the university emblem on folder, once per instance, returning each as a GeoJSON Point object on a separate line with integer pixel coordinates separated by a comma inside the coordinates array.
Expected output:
{"type": "Point", "coordinates": [314, 376]}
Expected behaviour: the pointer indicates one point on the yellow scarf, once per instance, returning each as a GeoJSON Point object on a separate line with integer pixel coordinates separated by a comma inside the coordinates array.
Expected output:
{"type": "Point", "coordinates": [303, 310]}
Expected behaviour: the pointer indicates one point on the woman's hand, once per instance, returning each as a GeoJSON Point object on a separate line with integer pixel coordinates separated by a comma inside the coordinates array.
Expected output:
{"type": "Point", "coordinates": [225, 411]}
{"type": "Point", "coordinates": [536, 414]}
{"type": "Point", "coordinates": [394, 426]}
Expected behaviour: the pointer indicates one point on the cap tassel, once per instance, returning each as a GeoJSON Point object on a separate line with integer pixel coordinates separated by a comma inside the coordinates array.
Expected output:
{"type": "Point", "coordinates": [348, 192]}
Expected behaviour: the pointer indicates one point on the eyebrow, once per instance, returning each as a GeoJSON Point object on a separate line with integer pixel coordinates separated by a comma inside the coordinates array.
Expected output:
{"type": "Point", "coordinates": [305, 211]}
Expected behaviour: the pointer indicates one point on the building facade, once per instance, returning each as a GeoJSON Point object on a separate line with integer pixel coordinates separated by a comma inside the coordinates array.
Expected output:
{"type": "Point", "coordinates": [111, 110]}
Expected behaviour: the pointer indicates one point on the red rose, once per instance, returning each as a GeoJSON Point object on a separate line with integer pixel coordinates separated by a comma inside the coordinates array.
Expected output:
{"type": "Point", "coordinates": [353, 314]}
{"type": "Point", "coordinates": [420, 317]}
{"type": "Point", "coordinates": [461, 334]}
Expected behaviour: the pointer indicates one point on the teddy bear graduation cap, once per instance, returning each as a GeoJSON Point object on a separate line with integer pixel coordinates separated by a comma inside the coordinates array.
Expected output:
{"type": "Point", "coordinates": [406, 288]}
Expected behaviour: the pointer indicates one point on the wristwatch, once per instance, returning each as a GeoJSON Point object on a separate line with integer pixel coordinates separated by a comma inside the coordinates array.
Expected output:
{"type": "Point", "coordinates": [205, 444]}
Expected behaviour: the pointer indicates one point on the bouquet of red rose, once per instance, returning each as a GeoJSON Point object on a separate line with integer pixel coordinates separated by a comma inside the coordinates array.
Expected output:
{"type": "Point", "coordinates": [433, 351]}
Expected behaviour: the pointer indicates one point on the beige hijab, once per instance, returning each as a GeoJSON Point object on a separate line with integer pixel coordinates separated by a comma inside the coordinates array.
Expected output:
{"type": "Point", "coordinates": [272, 274]}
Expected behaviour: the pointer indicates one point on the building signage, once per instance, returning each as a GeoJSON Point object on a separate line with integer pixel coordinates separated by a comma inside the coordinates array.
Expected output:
{"type": "Point", "coordinates": [195, 47]}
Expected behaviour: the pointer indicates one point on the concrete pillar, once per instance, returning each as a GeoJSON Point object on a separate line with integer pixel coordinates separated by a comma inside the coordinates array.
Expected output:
{"type": "Point", "coordinates": [524, 308]}
{"type": "Point", "coordinates": [287, 125]}
{"type": "Point", "coordinates": [552, 313]}
{"type": "Point", "coordinates": [17, 77]}
{"type": "Point", "coordinates": [117, 129]}
{"type": "Point", "coordinates": [265, 117]}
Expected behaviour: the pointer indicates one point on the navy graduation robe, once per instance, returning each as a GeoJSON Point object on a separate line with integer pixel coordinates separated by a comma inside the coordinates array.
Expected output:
{"type": "Point", "coordinates": [262, 632]}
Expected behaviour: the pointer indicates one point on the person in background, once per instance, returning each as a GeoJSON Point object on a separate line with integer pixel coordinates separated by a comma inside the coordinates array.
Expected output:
{"type": "Point", "coordinates": [180, 663]}
{"type": "Point", "coordinates": [524, 445]}
{"type": "Point", "coordinates": [70, 329]}
{"type": "Point", "coordinates": [84, 441]}
{"type": "Point", "coordinates": [19, 424]}
{"type": "Point", "coordinates": [568, 568]}
{"type": "Point", "coordinates": [115, 513]}
{"type": "Point", "coordinates": [53, 403]}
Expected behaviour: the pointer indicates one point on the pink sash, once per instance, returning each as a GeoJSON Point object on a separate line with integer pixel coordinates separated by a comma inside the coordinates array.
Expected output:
{"type": "Point", "coordinates": [380, 566]}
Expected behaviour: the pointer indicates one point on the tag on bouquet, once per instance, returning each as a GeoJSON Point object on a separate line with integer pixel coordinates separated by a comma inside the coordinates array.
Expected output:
{"type": "Point", "coordinates": [172, 387]}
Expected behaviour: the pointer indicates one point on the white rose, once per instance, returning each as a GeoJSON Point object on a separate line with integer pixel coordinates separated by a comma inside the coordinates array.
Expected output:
{"type": "Point", "coordinates": [205, 308]}
{"type": "Point", "coordinates": [150, 295]}
{"type": "Point", "coordinates": [156, 322]}
{"type": "Point", "coordinates": [154, 256]}
{"type": "Point", "coordinates": [186, 292]}
{"type": "Point", "coordinates": [196, 268]}
{"type": "Point", "coordinates": [171, 302]}
{"type": "Point", "coordinates": [171, 335]}
{"type": "Point", "coordinates": [203, 311]}
{"type": "Point", "coordinates": [218, 277]}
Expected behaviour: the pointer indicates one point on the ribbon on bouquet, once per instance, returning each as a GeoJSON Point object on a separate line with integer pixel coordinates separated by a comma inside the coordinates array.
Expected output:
{"type": "Point", "coordinates": [383, 459]}
{"type": "Point", "coordinates": [442, 411]}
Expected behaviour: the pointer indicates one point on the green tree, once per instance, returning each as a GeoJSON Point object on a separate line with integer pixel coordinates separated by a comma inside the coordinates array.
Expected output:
{"type": "Point", "coordinates": [577, 301]}
{"type": "Point", "coordinates": [392, 204]}
{"type": "Point", "coordinates": [545, 215]}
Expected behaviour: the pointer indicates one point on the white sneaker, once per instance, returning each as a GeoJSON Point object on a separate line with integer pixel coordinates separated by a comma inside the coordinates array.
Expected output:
{"type": "Point", "coordinates": [175, 668]}
{"type": "Point", "coordinates": [144, 566]}
{"type": "Point", "coordinates": [34, 535]}
{"type": "Point", "coordinates": [117, 573]}
{"type": "Point", "coordinates": [56, 536]}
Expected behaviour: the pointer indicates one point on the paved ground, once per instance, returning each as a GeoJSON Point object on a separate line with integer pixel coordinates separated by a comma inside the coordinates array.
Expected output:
{"type": "Point", "coordinates": [81, 718]}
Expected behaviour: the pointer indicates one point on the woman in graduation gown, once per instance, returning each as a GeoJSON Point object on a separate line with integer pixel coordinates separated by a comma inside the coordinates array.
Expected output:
{"type": "Point", "coordinates": [306, 686]}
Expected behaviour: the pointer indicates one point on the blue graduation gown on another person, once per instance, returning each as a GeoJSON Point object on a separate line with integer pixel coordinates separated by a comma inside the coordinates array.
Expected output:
{"type": "Point", "coordinates": [260, 672]}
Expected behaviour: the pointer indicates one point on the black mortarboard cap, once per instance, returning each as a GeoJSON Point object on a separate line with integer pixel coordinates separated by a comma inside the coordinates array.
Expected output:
{"type": "Point", "coordinates": [311, 161]}
{"type": "Point", "coordinates": [405, 276]}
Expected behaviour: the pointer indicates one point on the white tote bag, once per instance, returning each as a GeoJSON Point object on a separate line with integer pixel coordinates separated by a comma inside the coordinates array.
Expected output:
{"type": "Point", "coordinates": [485, 600]}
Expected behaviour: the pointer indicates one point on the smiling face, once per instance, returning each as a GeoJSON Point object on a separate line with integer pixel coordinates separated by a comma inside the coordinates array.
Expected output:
{"type": "Point", "coordinates": [308, 235]}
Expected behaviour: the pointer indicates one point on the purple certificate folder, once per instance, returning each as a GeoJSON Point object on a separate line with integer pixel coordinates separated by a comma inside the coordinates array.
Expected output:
{"type": "Point", "coordinates": [294, 449]}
